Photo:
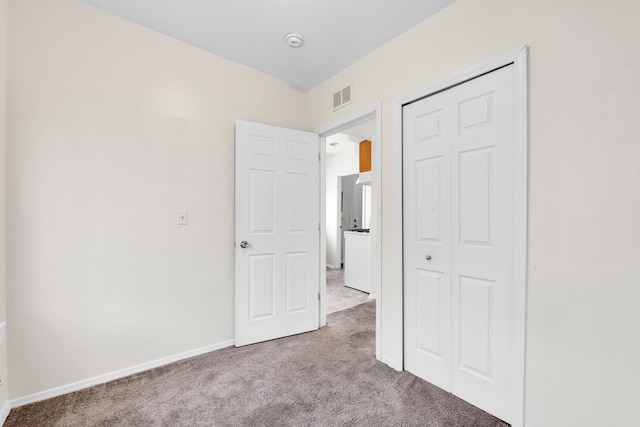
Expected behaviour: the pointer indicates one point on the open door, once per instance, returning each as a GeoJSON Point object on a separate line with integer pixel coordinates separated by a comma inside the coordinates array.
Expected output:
{"type": "Point", "coordinates": [277, 235]}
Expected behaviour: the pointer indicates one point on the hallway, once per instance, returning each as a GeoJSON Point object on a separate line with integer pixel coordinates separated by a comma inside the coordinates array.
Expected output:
{"type": "Point", "coordinates": [340, 297]}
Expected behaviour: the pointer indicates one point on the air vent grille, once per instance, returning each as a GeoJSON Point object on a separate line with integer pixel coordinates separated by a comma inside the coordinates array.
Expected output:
{"type": "Point", "coordinates": [342, 98]}
{"type": "Point", "coordinates": [346, 95]}
{"type": "Point", "coordinates": [337, 99]}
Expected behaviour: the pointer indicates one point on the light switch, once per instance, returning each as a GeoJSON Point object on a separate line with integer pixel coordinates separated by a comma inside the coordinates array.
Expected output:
{"type": "Point", "coordinates": [183, 217]}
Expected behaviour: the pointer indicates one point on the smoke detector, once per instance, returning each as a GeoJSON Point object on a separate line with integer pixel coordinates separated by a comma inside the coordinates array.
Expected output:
{"type": "Point", "coordinates": [294, 40]}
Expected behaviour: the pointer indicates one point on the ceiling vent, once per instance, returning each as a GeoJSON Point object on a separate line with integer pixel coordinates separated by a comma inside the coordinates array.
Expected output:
{"type": "Point", "coordinates": [342, 98]}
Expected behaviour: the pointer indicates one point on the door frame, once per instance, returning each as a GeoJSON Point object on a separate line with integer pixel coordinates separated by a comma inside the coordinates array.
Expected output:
{"type": "Point", "coordinates": [373, 111]}
{"type": "Point", "coordinates": [519, 58]}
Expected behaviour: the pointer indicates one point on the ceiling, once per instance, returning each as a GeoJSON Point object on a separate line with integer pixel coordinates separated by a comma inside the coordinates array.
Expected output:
{"type": "Point", "coordinates": [252, 32]}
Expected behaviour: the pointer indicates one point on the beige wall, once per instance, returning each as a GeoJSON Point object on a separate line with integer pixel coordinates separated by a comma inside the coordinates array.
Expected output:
{"type": "Point", "coordinates": [3, 146]}
{"type": "Point", "coordinates": [112, 128]}
{"type": "Point", "coordinates": [583, 337]}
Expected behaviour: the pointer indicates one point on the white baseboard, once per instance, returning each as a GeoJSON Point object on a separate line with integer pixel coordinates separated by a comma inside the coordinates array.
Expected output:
{"type": "Point", "coordinates": [331, 266]}
{"type": "Point", "coordinates": [4, 413]}
{"type": "Point", "coordinates": [101, 379]}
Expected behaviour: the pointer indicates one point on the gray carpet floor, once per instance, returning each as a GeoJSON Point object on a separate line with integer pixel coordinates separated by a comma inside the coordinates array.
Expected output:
{"type": "Point", "coordinates": [324, 378]}
{"type": "Point", "coordinates": [339, 296]}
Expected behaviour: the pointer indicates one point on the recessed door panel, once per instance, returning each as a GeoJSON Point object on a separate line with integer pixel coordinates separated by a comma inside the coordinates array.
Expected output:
{"type": "Point", "coordinates": [262, 202]}
{"type": "Point", "coordinates": [430, 326]}
{"type": "Point", "coordinates": [476, 183]}
{"type": "Point", "coordinates": [297, 151]}
{"type": "Point", "coordinates": [297, 203]}
{"type": "Point", "coordinates": [297, 278]}
{"type": "Point", "coordinates": [475, 112]}
{"type": "Point", "coordinates": [262, 147]}
{"type": "Point", "coordinates": [476, 326]}
{"type": "Point", "coordinates": [428, 126]}
{"type": "Point", "coordinates": [261, 286]}
{"type": "Point", "coordinates": [427, 173]}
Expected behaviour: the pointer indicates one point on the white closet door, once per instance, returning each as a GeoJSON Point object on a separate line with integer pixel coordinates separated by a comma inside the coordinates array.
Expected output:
{"type": "Point", "coordinates": [427, 233]}
{"type": "Point", "coordinates": [458, 311]}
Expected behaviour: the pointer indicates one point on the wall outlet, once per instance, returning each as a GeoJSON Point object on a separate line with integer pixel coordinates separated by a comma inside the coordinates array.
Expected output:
{"type": "Point", "coordinates": [183, 217]}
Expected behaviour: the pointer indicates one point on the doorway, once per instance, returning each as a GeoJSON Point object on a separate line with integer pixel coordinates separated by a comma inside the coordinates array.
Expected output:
{"type": "Point", "coordinates": [331, 241]}
{"type": "Point", "coordinates": [348, 219]}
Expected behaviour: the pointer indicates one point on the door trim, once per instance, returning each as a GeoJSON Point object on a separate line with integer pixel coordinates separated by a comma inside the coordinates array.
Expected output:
{"type": "Point", "coordinates": [518, 57]}
{"type": "Point", "coordinates": [353, 119]}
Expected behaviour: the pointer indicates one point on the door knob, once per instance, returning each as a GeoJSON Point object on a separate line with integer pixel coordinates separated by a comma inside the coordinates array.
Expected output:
{"type": "Point", "coordinates": [428, 257]}
{"type": "Point", "coordinates": [244, 244]}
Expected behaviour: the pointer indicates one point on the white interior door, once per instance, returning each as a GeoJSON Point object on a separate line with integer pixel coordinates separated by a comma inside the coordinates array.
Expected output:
{"type": "Point", "coordinates": [427, 233]}
{"type": "Point", "coordinates": [277, 261]}
{"type": "Point", "coordinates": [459, 240]}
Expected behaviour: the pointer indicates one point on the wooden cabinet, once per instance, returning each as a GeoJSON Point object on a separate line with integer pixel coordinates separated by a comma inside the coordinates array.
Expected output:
{"type": "Point", "coordinates": [365, 156]}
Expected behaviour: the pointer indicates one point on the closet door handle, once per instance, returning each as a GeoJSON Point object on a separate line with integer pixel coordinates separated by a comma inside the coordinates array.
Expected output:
{"type": "Point", "coordinates": [428, 257]}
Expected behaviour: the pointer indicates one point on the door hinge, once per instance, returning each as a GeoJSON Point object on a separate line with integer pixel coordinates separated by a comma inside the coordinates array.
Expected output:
{"type": "Point", "coordinates": [318, 226]}
{"type": "Point", "coordinates": [318, 296]}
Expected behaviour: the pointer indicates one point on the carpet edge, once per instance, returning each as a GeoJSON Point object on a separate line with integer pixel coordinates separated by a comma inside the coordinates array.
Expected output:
{"type": "Point", "coordinates": [104, 378]}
